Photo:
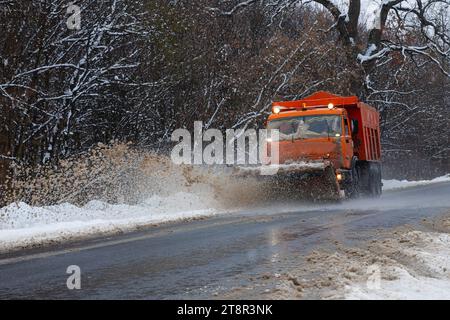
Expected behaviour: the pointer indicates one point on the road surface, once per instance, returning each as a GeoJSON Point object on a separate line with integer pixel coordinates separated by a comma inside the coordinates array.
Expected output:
{"type": "Point", "coordinates": [207, 258]}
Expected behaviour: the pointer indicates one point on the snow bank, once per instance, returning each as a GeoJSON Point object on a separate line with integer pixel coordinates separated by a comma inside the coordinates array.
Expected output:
{"type": "Point", "coordinates": [428, 277]}
{"type": "Point", "coordinates": [405, 287]}
{"type": "Point", "coordinates": [401, 184]}
{"type": "Point", "coordinates": [22, 225]}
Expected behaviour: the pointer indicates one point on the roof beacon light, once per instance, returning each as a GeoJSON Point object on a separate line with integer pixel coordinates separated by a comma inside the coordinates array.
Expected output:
{"type": "Point", "coordinates": [276, 109]}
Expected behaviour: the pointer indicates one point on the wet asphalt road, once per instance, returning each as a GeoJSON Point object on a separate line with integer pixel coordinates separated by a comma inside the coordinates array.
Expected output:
{"type": "Point", "coordinates": [203, 259]}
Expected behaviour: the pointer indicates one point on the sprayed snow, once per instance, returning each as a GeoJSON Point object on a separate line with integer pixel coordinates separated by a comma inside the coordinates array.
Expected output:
{"type": "Point", "coordinates": [401, 184]}
{"type": "Point", "coordinates": [22, 225]}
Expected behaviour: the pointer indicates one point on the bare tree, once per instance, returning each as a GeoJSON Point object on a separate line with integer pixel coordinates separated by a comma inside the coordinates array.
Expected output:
{"type": "Point", "coordinates": [430, 16]}
{"type": "Point", "coordinates": [54, 78]}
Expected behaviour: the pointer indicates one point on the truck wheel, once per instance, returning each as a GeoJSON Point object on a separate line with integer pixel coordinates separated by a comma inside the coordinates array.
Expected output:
{"type": "Point", "coordinates": [375, 184]}
{"type": "Point", "coordinates": [354, 190]}
{"type": "Point", "coordinates": [379, 184]}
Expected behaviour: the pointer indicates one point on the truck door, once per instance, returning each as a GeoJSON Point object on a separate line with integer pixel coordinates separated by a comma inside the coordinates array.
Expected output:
{"type": "Point", "coordinates": [347, 144]}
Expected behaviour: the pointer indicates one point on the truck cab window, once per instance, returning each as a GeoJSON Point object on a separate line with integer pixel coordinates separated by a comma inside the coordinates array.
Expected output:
{"type": "Point", "coordinates": [346, 128]}
{"type": "Point", "coordinates": [318, 126]}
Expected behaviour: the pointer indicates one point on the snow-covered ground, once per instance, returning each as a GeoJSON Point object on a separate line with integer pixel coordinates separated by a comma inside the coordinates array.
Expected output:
{"type": "Point", "coordinates": [401, 184]}
{"type": "Point", "coordinates": [426, 276]}
{"type": "Point", "coordinates": [22, 225]}
{"type": "Point", "coordinates": [402, 264]}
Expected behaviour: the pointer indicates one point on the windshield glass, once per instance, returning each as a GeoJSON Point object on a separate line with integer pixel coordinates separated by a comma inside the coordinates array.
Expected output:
{"type": "Point", "coordinates": [307, 127]}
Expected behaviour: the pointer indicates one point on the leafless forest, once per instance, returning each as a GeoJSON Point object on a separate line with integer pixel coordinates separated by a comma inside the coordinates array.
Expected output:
{"type": "Point", "coordinates": [136, 70]}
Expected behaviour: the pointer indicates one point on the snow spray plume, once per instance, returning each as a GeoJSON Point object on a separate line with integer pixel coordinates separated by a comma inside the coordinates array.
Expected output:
{"type": "Point", "coordinates": [122, 173]}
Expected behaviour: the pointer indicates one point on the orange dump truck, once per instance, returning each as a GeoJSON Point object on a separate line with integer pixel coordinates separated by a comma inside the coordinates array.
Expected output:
{"type": "Point", "coordinates": [329, 144]}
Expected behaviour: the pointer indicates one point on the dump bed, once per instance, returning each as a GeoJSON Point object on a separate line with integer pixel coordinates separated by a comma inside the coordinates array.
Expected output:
{"type": "Point", "coordinates": [367, 145]}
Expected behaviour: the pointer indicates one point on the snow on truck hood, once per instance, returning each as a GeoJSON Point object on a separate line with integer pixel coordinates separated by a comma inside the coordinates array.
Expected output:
{"type": "Point", "coordinates": [288, 167]}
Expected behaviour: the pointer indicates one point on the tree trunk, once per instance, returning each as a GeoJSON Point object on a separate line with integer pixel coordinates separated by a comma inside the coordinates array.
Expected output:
{"type": "Point", "coordinates": [4, 165]}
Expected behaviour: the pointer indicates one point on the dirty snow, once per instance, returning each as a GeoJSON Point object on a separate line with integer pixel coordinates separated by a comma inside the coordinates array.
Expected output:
{"type": "Point", "coordinates": [401, 184]}
{"type": "Point", "coordinates": [408, 264]}
{"type": "Point", "coordinates": [406, 287]}
{"type": "Point", "coordinates": [428, 277]}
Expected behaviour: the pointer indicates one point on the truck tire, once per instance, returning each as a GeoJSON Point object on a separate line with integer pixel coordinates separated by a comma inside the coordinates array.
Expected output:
{"type": "Point", "coordinates": [354, 187]}
{"type": "Point", "coordinates": [375, 184]}
{"type": "Point", "coordinates": [379, 184]}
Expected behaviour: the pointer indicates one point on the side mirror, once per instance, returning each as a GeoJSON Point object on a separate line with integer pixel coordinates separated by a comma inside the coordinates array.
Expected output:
{"type": "Point", "coordinates": [354, 126]}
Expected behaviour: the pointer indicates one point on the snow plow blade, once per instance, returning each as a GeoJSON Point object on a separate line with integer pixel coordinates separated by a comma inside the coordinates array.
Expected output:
{"type": "Point", "coordinates": [306, 180]}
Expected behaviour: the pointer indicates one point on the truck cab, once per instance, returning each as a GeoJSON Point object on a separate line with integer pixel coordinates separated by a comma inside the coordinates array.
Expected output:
{"type": "Point", "coordinates": [310, 135]}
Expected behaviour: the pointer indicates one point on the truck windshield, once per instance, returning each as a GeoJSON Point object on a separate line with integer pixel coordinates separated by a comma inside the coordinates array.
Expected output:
{"type": "Point", "coordinates": [307, 127]}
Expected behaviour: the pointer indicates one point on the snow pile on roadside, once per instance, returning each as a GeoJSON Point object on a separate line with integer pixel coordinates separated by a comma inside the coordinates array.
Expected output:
{"type": "Point", "coordinates": [405, 287]}
{"type": "Point", "coordinates": [401, 184]}
{"type": "Point", "coordinates": [400, 264]}
{"type": "Point", "coordinates": [426, 275]}
{"type": "Point", "coordinates": [22, 225]}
